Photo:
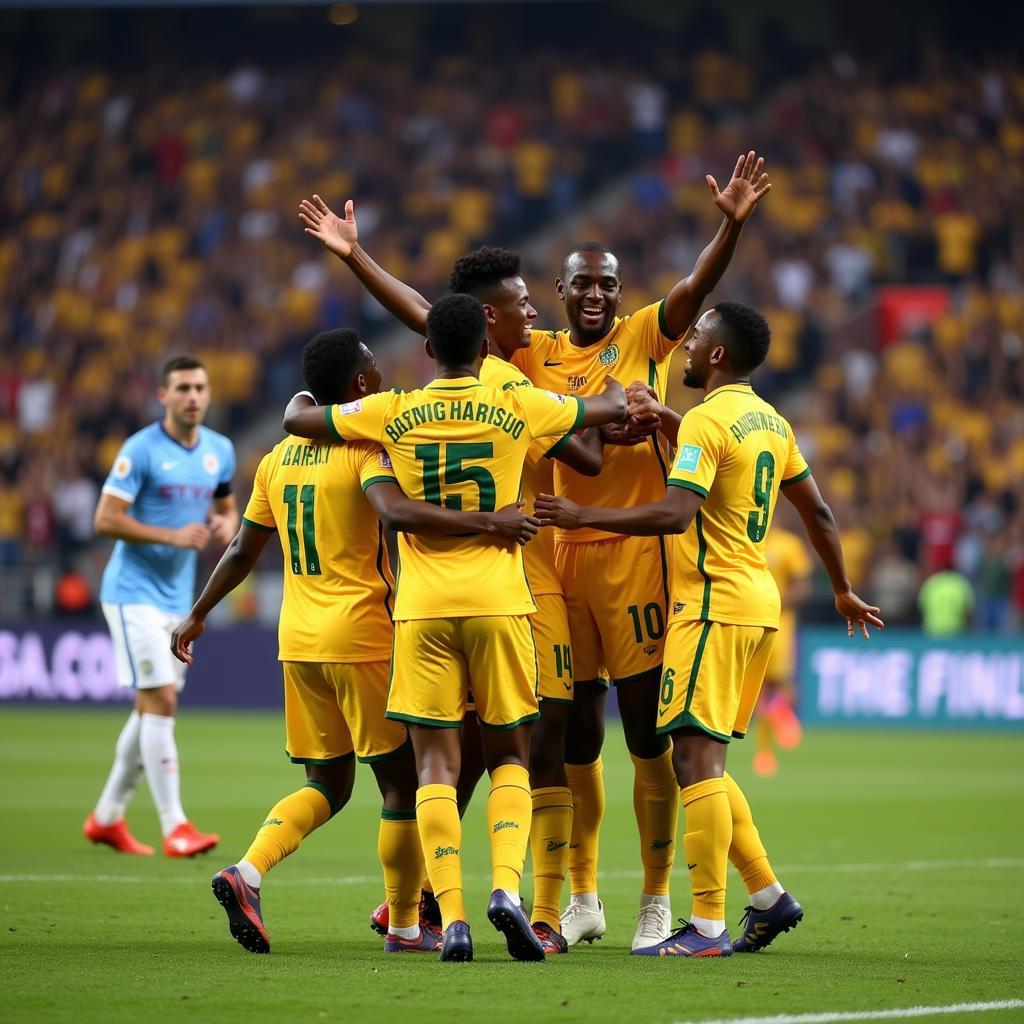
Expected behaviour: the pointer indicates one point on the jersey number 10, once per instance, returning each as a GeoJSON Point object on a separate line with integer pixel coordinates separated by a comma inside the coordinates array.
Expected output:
{"type": "Point", "coordinates": [304, 496]}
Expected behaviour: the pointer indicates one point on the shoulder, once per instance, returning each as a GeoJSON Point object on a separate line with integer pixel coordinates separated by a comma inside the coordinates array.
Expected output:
{"type": "Point", "coordinates": [643, 318]}
{"type": "Point", "coordinates": [214, 439]}
{"type": "Point", "coordinates": [144, 439]}
{"type": "Point", "coordinates": [502, 374]}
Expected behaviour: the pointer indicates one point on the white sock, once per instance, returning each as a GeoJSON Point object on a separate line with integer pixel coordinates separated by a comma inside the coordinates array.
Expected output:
{"type": "Point", "coordinates": [160, 756]}
{"type": "Point", "coordinates": [412, 932]}
{"type": "Point", "coordinates": [249, 874]}
{"type": "Point", "coordinates": [587, 899]}
{"type": "Point", "coordinates": [766, 898]}
{"type": "Point", "coordinates": [708, 928]}
{"type": "Point", "coordinates": [663, 901]}
{"type": "Point", "coordinates": [124, 774]}
{"type": "Point", "coordinates": [513, 896]}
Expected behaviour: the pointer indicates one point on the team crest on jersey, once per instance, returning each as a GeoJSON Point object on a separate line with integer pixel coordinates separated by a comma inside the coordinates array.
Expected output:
{"type": "Point", "coordinates": [211, 463]}
{"type": "Point", "coordinates": [122, 467]}
{"type": "Point", "coordinates": [347, 408]}
{"type": "Point", "coordinates": [557, 398]}
{"type": "Point", "coordinates": [385, 460]}
{"type": "Point", "coordinates": [689, 456]}
{"type": "Point", "coordinates": [609, 355]}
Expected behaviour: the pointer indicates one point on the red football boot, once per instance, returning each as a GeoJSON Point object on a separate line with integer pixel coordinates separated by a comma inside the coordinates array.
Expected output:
{"type": "Point", "coordinates": [186, 841]}
{"type": "Point", "coordinates": [116, 836]}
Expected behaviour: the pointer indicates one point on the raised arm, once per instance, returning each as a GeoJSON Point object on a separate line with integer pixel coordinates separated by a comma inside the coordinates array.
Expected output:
{"type": "Point", "coordinates": [398, 512]}
{"type": "Point", "coordinates": [823, 534]}
{"type": "Point", "coordinates": [112, 520]}
{"type": "Point", "coordinates": [673, 514]}
{"type": "Point", "coordinates": [341, 237]}
{"type": "Point", "coordinates": [304, 418]}
{"type": "Point", "coordinates": [737, 200]}
{"type": "Point", "coordinates": [608, 407]}
{"type": "Point", "coordinates": [234, 566]}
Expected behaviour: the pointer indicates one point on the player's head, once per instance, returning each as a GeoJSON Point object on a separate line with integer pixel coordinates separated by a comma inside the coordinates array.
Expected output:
{"type": "Point", "coordinates": [591, 289]}
{"type": "Point", "coordinates": [184, 391]}
{"type": "Point", "coordinates": [338, 367]}
{"type": "Point", "coordinates": [730, 338]}
{"type": "Point", "coordinates": [457, 333]}
{"type": "Point", "coordinates": [493, 277]}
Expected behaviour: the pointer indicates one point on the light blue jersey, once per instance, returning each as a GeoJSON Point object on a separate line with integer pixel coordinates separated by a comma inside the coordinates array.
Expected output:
{"type": "Point", "coordinates": [168, 485]}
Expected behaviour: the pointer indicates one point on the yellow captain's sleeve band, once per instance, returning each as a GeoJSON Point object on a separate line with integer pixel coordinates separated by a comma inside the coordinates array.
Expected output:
{"type": "Point", "coordinates": [329, 416]}
{"type": "Point", "coordinates": [688, 486]}
{"type": "Point", "coordinates": [796, 479]}
{"type": "Point", "coordinates": [379, 480]}
{"type": "Point", "coordinates": [259, 526]}
{"type": "Point", "coordinates": [564, 439]}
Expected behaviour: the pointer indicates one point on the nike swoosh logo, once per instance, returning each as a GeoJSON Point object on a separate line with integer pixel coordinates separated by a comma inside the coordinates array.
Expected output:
{"type": "Point", "coordinates": [167, 465]}
{"type": "Point", "coordinates": [547, 362]}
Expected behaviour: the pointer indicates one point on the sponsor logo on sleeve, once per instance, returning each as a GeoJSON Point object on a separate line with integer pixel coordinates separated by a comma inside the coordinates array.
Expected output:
{"type": "Point", "coordinates": [347, 408]}
{"type": "Point", "coordinates": [689, 456]}
{"type": "Point", "coordinates": [122, 467]}
{"type": "Point", "coordinates": [385, 460]}
{"type": "Point", "coordinates": [557, 398]}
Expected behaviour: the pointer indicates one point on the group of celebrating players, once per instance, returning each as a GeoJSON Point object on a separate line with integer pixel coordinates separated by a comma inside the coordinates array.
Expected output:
{"type": "Point", "coordinates": [559, 530]}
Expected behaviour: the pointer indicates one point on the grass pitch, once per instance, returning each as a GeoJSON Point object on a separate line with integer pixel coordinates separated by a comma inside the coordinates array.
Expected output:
{"type": "Point", "coordinates": [906, 850]}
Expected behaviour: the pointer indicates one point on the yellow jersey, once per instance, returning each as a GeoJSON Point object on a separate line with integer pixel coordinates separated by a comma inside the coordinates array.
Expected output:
{"type": "Point", "coordinates": [788, 562]}
{"type": "Point", "coordinates": [338, 587]}
{"type": "Point", "coordinates": [538, 478]}
{"type": "Point", "coordinates": [635, 349]}
{"type": "Point", "coordinates": [736, 451]}
{"type": "Point", "coordinates": [461, 444]}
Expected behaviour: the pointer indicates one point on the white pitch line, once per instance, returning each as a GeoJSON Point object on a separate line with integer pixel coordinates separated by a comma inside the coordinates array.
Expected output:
{"type": "Point", "coordinates": [991, 863]}
{"type": "Point", "coordinates": [832, 1018]}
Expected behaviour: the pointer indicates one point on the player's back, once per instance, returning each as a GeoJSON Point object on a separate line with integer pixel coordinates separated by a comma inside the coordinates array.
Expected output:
{"type": "Point", "coordinates": [460, 444]}
{"type": "Point", "coordinates": [167, 485]}
{"type": "Point", "coordinates": [737, 451]}
{"type": "Point", "coordinates": [337, 581]}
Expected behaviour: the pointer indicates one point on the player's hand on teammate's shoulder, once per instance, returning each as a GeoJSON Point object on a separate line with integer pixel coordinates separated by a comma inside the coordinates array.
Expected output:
{"type": "Point", "coordinates": [193, 535]}
{"type": "Point", "coordinates": [221, 528]}
{"type": "Point", "coordinates": [189, 629]}
{"type": "Point", "coordinates": [337, 234]}
{"type": "Point", "coordinates": [512, 523]}
{"type": "Point", "coordinates": [857, 613]}
{"type": "Point", "coordinates": [748, 185]}
{"type": "Point", "coordinates": [555, 511]}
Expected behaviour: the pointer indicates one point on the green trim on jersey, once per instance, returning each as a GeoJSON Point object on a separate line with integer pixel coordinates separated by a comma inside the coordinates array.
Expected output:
{"type": "Point", "coordinates": [796, 479]}
{"type": "Point", "coordinates": [687, 485]}
{"type": "Point", "coordinates": [259, 526]}
{"type": "Point", "coordinates": [379, 480]}
{"type": "Point", "coordinates": [329, 417]}
{"type": "Point", "coordinates": [702, 553]}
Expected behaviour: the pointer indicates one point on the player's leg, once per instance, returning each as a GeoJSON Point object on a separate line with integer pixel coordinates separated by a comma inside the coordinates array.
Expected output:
{"type": "Point", "coordinates": [106, 823]}
{"type": "Point", "coordinates": [502, 659]}
{"type": "Point", "coordinates": [583, 919]}
{"type": "Point", "coordinates": [631, 616]}
{"type": "Point", "coordinates": [771, 910]}
{"type": "Point", "coordinates": [428, 693]}
{"type": "Point", "coordinates": [551, 830]}
{"type": "Point", "coordinates": [317, 737]}
{"type": "Point", "coordinates": [473, 769]}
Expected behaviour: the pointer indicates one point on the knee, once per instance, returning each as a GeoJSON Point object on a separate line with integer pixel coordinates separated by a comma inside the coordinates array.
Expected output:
{"type": "Point", "coordinates": [334, 781]}
{"type": "Point", "coordinates": [162, 701]}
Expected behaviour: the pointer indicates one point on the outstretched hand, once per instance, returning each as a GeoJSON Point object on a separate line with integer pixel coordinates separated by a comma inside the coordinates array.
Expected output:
{"type": "Point", "coordinates": [324, 224]}
{"type": "Point", "coordinates": [856, 612]}
{"type": "Point", "coordinates": [555, 511]}
{"type": "Point", "coordinates": [512, 523]}
{"type": "Point", "coordinates": [184, 633]}
{"type": "Point", "coordinates": [748, 185]}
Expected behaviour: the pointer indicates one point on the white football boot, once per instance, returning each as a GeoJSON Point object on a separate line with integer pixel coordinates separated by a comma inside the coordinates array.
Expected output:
{"type": "Point", "coordinates": [653, 925]}
{"type": "Point", "coordinates": [582, 923]}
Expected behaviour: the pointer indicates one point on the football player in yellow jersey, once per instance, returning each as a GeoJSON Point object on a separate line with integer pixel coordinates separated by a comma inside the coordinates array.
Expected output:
{"type": "Point", "coordinates": [335, 639]}
{"type": "Point", "coordinates": [462, 607]}
{"type": "Point", "coordinates": [790, 567]}
{"type": "Point", "coordinates": [734, 455]}
{"type": "Point", "coordinates": [614, 587]}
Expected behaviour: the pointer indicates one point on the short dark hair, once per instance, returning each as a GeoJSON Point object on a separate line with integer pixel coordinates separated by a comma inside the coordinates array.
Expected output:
{"type": "Point", "coordinates": [583, 247]}
{"type": "Point", "coordinates": [179, 363]}
{"type": "Point", "coordinates": [481, 272]}
{"type": "Point", "coordinates": [456, 328]}
{"type": "Point", "coordinates": [330, 362]}
{"type": "Point", "coordinates": [747, 335]}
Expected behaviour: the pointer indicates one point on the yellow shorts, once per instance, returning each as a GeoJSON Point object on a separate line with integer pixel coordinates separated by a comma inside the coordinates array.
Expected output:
{"type": "Point", "coordinates": [331, 710]}
{"type": "Point", "coordinates": [437, 661]}
{"type": "Point", "coordinates": [782, 664]}
{"type": "Point", "coordinates": [712, 677]}
{"type": "Point", "coordinates": [554, 652]}
{"type": "Point", "coordinates": [615, 594]}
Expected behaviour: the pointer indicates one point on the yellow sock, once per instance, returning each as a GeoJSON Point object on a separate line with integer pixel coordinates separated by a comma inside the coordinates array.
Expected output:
{"type": "Point", "coordinates": [656, 803]}
{"type": "Point", "coordinates": [509, 813]}
{"type": "Point", "coordinates": [401, 858]}
{"type": "Point", "coordinates": [440, 830]}
{"type": "Point", "coordinates": [706, 844]}
{"type": "Point", "coordinates": [549, 849]}
{"type": "Point", "coordinates": [747, 852]}
{"type": "Point", "coordinates": [587, 784]}
{"type": "Point", "coordinates": [288, 823]}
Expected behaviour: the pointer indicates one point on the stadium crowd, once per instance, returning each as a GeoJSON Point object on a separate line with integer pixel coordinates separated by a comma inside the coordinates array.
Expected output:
{"type": "Point", "coordinates": [142, 213]}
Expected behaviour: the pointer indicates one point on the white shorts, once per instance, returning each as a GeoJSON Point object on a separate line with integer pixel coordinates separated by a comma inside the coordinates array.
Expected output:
{"type": "Point", "coordinates": [142, 646]}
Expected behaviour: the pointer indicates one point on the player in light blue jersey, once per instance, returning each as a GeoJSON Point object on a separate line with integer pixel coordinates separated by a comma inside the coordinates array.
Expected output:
{"type": "Point", "coordinates": [167, 496]}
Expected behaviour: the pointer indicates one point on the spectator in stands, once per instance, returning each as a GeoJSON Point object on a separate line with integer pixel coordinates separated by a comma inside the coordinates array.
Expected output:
{"type": "Point", "coordinates": [947, 602]}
